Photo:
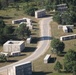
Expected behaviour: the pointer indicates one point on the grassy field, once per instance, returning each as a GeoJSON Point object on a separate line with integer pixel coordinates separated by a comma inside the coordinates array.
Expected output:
{"type": "Point", "coordinates": [39, 68]}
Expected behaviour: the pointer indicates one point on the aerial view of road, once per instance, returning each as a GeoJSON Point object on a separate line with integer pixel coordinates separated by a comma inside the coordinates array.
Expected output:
{"type": "Point", "coordinates": [43, 45]}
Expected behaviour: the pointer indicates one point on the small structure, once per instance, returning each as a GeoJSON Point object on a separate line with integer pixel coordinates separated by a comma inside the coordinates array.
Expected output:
{"type": "Point", "coordinates": [28, 40]}
{"type": "Point", "coordinates": [46, 59]}
{"type": "Point", "coordinates": [15, 53]}
{"type": "Point", "coordinates": [68, 37]}
{"type": "Point", "coordinates": [18, 21]}
{"type": "Point", "coordinates": [11, 46]}
{"type": "Point", "coordinates": [65, 29]}
{"type": "Point", "coordinates": [62, 7]}
{"type": "Point", "coordinates": [21, 69]}
{"type": "Point", "coordinates": [40, 13]}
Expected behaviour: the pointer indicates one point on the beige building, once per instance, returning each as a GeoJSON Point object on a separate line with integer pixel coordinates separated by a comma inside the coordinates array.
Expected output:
{"type": "Point", "coordinates": [47, 58]}
{"type": "Point", "coordinates": [12, 46]}
{"type": "Point", "coordinates": [62, 7]}
{"type": "Point", "coordinates": [21, 69]}
{"type": "Point", "coordinates": [68, 37]}
{"type": "Point", "coordinates": [18, 21]}
{"type": "Point", "coordinates": [40, 13]}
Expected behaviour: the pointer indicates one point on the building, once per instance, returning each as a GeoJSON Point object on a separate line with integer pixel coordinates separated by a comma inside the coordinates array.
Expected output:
{"type": "Point", "coordinates": [18, 21]}
{"type": "Point", "coordinates": [65, 29]}
{"type": "Point", "coordinates": [21, 69]}
{"type": "Point", "coordinates": [15, 53]}
{"type": "Point", "coordinates": [47, 58]}
{"type": "Point", "coordinates": [40, 13]}
{"type": "Point", "coordinates": [68, 37]}
{"type": "Point", "coordinates": [11, 46]}
{"type": "Point", "coordinates": [28, 40]}
{"type": "Point", "coordinates": [62, 7]}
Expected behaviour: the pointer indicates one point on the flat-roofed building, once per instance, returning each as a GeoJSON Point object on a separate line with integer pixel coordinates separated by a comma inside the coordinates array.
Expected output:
{"type": "Point", "coordinates": [18, 21]}
{"type": "Point", "coordinates": [68, 37]}
{"type": "Point", "coordinates": [15, 53]}
{"type": "Point", "coordinates": [62, 7]}
{"type": "Point", "coordinates": [65, 29]}
{"type": "Point", "coordinates": [40, 13]}
{"type": "Point", "coordinates": [11, 46]}
{"type": "Point", "coordinates": [21, 69]}
{"type": "Point", "coordinates": [47, 58]}
{"type": "Point", "coordinates": [28, 40]}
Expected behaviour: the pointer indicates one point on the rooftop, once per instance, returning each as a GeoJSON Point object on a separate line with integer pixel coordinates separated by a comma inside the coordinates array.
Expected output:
{"type": "Point", "coordinates": [14, 42]}
{"type": "Point", "coordinates": [40, 10]}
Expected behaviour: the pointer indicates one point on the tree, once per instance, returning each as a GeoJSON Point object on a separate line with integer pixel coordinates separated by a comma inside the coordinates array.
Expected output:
{"type": "Point", "coordinates": [57, 17]}
{"type": "Point", "coordinates": [28, 32]}
{"type": "Point", "coordinates": [69, 60]}
{"type": "Point", "coordinates": [30, 11]}
{"type": "Point", "coordinates": [58, 66]}
{"type": "Point", "coordinates": [7, 30]}
{"type": "Point", "coordinates": [17, 7]}
{"type": "Point", "coordinates": [74, 70]}
{"type": "Point", "coordinates": [2, 24]}
{"type": "Point", "coordinates": [57, 45]}
{"type": "Point", "coordinates": [0, 5]}
{"type": "Point", "coordinates": [3, 58]}
{"type": "Point", "coordinates": [22, 31]}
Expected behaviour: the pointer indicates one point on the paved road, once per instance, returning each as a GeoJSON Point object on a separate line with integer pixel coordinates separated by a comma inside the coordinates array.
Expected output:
{"type": "Point", "coordinates": [43, 45]}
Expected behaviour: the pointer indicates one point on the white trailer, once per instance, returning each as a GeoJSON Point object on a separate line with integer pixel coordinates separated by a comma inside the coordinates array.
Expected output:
{"type": "Point", "coordinates": [47, 58]}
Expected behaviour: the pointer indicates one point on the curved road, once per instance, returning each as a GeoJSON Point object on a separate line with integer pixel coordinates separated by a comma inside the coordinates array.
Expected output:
{"type": "Point", "coordinates": [43, 44]}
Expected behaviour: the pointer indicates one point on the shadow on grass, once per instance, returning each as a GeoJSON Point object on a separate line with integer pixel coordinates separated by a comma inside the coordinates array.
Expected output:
{"type": "Point", "coordinates": [34, 25]}
{"type": "Point", "coordinates": [35, 39]}
{"type": "Point", "coordinates": [52, 60]}
{"type": "Point", "coordinates": [62, 54]}
{"type": "Point", "coordinates": [35, 28]}
{"type": "Point", "coordinates": [33, 33]}
{"type": "Point", "coordinates": [12, 61]}
{"type": "Point", "coordinates": [5, 17]}
{"type": "Point", "coordinates": [40, 73]}
{"type": "Point", "coordinates": [29, 49]}
{"type": "Point", "coordinates": [34, 22]}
